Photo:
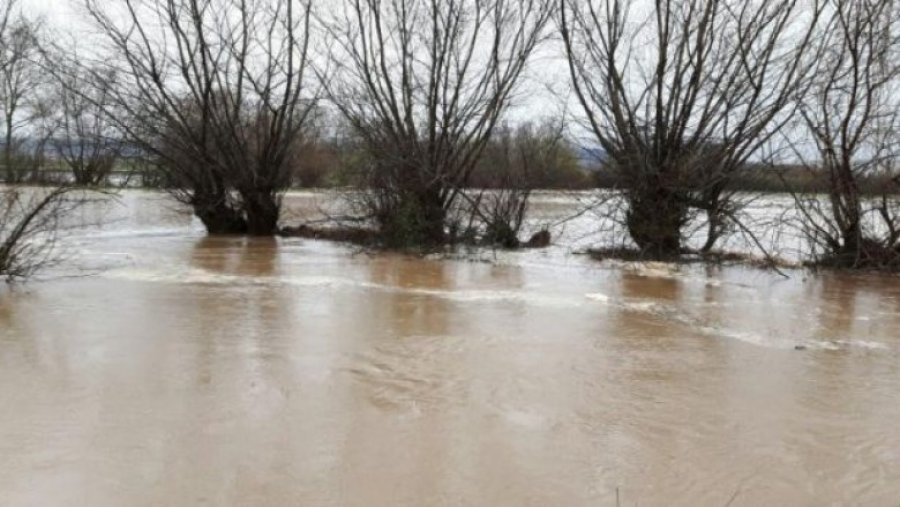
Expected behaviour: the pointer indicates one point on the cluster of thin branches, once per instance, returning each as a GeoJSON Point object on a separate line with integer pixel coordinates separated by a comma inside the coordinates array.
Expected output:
{"type": "Point", "coordinates": [31, 221]}
{"type": "Point", "coordinates": [851, 118]}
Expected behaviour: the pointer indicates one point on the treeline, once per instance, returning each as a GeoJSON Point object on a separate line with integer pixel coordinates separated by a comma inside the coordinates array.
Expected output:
{"type": "Point", "coordinates": [772, 179]}
{"type": "Point", "coordinates": [337, 160]}
{"type": "Point", "coordinates": [231, 103]}
{"type": "Point", "coordinates": [319, 163]}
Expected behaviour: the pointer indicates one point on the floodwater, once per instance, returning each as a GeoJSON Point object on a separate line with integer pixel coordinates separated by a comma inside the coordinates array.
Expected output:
{"type": "Point", "coordinates": [161, 367]}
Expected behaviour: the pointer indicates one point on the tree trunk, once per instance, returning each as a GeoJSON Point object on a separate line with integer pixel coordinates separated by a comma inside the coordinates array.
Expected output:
{"type": "Point", "coordinates": [220, 218]}
{"type": "Point", "coordinates": [434, 217]}
{"type": "Point", "coordinates": [852, 244]}
{"type": "Point", "coordinates": [263, 211]}
{"type": "Point", "coordinates": [849, 214]}
{"type": "Point", "coordinates": [417, 218]}
{"type": "Point", "coordinates": [8, 152]}
{"type": "Point", "coordinates": [654, 220]}
{"type": "Point", "coordinates": [714, 227]}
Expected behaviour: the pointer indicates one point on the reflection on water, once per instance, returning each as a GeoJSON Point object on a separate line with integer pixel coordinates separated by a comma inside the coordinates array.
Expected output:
{"type": "Point", "coordinates": [254, 371]}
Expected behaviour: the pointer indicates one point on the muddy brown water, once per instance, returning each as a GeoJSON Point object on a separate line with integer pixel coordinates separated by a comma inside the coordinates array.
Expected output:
{"type": "Point", "coordinates": [161, 367]}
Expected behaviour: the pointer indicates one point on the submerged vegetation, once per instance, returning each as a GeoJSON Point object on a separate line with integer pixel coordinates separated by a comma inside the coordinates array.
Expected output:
{"type": "Point", "coordinates": [683, 110]}
{"type": "Point", "coordinates": [30, 222]}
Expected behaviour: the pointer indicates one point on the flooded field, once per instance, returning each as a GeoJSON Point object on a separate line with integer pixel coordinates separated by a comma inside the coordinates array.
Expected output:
{"type": "Point", "coordinates": [162, 367]}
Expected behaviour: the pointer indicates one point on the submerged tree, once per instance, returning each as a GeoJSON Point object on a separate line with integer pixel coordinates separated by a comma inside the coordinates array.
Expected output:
{"type": "Point", "coordinates": [852, 115]}
{"type": "Point", "coordinates": [516, 162]}
{"type": "Point", "coordinates": [216, 91]}
{"type": "Point", "coordinates": [424, 83]}
{"type": "Point", "coordinates": [30, 222]}
{"type": "Point", "coordinates": [680, 97]}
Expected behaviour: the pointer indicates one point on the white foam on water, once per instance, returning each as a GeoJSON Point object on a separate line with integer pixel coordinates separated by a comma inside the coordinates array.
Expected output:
{"type": "Point", "coordinates": [845, 344]}
{"type": "Point", "coordinates": [641, 306]}
{"type": "Point", "coordinates": [481, 295]}
{"type": "Point", "coordinates": [646, 307]}
{"type": "Point", "coordinates": [671, 313]}
{"type": "Point", "coordinates": [204, 277]}
{"type": "Point", "coordinates": [598, 296]}
{"type": "Point", "coordinates": [198, 276]}
{"type": "Point", "coordinates": [185, 276]}
{"type": "Point", "coordinates": [133, 233]}
{"type": "Point", "coordinates": [756, 339]}
{"type": "Point", "coordinates": [648, 269]}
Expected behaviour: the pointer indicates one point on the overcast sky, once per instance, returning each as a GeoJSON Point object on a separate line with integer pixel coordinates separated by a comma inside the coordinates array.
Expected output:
{"type": "Point", "coordinates": [58, 10]}
{"type": "Point", "coordinates": [59, 13]}
{"type": "Point", "coordinates": [536, 102]}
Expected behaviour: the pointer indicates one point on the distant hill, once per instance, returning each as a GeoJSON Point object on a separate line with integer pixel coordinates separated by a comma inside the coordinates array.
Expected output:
{"type": "Point", "coordinates": [590, 157]}
{"type": "Point", "coordinates": [30, 144]}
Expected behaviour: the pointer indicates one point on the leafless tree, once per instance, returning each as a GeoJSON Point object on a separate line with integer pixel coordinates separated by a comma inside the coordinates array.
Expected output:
{"type": "Point", "coordinates": [85, 138]}
{"type": "Point", "coordinates": [424, 83]}
{"type": "Point", "coordinates": [852, 116]}
{"type": "Point", "coordinates": [681, 94]}
{"type": "Point", "coordinates": [20, 80]}
{"type": "Point", "coordinates": [516, 162]}
{"type": "Point", "coordinates": [216, 91]}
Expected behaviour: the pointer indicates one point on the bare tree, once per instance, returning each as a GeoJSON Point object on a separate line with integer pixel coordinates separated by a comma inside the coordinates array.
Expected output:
{"type": "Point", "coordinates": [216, 91]}
{"type": "Point", "coordinates": [423, 83]}
{"type": "Point", "coordinates": [852, 115]}
{"type": "Point", "coordinates": [85, 138]}
{"type": "Point", "coordinates": [20, 80]}
{"type": "Point", "coordinates": [681, 97]}
{"type": "Point", "coordinates": [516, 162]}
